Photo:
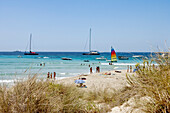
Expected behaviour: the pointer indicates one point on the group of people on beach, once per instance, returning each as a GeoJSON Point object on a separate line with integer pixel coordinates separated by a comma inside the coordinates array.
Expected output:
{"type": "Point", "coordinates": [129, 70]}
{"type": "Point", "coordinates": [51, 75]}
{"type": "Point", "coordinates": [97, 70]}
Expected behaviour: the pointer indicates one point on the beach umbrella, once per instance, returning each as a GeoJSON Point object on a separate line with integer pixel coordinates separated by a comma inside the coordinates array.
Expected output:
{"type": "Point", "coordinates": [79, 81]}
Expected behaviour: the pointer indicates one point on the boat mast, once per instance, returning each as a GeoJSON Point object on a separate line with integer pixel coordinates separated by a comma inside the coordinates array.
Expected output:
{"type": "Point", "coordinates": [90, 41]}
{"type": "Point", "coordinates": [30, 41]}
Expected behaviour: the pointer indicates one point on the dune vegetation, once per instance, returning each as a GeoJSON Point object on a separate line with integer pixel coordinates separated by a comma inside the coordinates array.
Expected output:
{"type": "Point", "coordinates": [35, 96]}
{"type": "Point", "coordinates": [152, 84]}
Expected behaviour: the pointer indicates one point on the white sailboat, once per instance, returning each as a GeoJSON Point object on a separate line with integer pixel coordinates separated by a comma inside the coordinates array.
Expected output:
{"type": "Point", "coordinates": [90, 51]}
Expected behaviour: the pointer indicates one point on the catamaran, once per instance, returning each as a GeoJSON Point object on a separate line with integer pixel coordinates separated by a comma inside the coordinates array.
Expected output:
{"type": "Point", "coordinates": [90, 51]}
{"type": "Point", "coordinates": [113, 56]}
{"type": "Point", "coordinates": [30, 52]}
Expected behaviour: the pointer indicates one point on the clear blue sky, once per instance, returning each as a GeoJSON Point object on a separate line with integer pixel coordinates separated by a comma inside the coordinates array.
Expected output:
{"type": "Point", "coordinates": [63, 25]}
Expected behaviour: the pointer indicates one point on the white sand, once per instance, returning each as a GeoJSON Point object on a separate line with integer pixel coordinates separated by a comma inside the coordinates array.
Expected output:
{"type": "Point", "coordinates": [97, 81]}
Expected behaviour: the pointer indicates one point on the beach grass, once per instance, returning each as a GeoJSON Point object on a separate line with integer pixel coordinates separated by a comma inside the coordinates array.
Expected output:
{"type": "Point", "coordinates": [35, 95]}
{"type": "Point", "coordinates": [153, 85]}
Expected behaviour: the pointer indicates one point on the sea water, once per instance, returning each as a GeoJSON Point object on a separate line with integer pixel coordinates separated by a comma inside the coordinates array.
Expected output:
{"type": "Point", "coordinates": [14, 68]}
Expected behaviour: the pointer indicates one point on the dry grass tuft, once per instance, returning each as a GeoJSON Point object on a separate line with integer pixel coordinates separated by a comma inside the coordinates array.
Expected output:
{"type": "Point", "coordinates": [110, 98]}
{"type": "Point", "coordinates": [36, 95]}
{"type": "Point", "coordinates": [153, 83]}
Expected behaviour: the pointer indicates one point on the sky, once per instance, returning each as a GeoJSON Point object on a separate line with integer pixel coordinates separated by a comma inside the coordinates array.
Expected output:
{"type": "Point", "coordinates": [63, 25]}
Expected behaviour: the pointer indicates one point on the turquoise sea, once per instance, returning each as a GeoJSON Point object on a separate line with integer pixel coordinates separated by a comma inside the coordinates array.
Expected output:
{"type": "Point", "coordinates": [14, 68]}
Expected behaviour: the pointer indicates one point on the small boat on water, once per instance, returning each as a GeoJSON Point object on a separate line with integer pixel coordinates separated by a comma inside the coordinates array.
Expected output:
{"type": "Point", "coordinates": [145, 58]}
{"type": "Point", "coordinates": [86, 60]}
{"type": "Point", "coordinates": [64, 58]}
{"type": "Point", "coordinates": [123, 58]}
{"type": "Point", "coordinates": [30, 52]}
{"type": "Point", "coordinates": [101, 58]}
{"type": "Point", "coordinates": [19, 56]}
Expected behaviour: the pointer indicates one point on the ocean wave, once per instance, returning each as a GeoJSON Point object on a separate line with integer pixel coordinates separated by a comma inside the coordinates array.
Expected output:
{"type": "Point", "coordinates": [59, 78]}
{"type": "Point", "coordinates": [45, 57]}
{"type": "Point", "coordinates": [6, 81]}
{"type": "Point", "coordinates": [119, 64]}
{"type": "Point", "coordinates": [123, 64]}
{"type": "Point", "coordinates": [68, 73]}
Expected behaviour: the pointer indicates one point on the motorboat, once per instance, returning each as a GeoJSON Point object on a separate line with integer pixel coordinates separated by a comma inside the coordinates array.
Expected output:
{"type": "Point", "coordinates": [64, 58]}
{"type": "Point", "coordinates": [92, 53]}
{"type": "Point", "coordinates": [145, 58]}
{"type": "Point", "coordinates": [123, 58]}
{"type": "Point", "coordinates": [86, 60]}
{"type": "Point", "coordinates": [19, 56]}
{"type": "Point", "coordinates": [101, 58]}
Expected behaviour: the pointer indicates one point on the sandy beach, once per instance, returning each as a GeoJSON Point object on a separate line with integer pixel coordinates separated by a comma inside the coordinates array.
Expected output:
{"type": "Point", "coordinates": [100, 80]}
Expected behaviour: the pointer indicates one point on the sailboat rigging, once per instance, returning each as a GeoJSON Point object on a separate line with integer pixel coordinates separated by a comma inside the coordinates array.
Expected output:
{"type": "Point", "coordinates": [90, 51]}
{"type": "Point", "coordinates": [30, 52]}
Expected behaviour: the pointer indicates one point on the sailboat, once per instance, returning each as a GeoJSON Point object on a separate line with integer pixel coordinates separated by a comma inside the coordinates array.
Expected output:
{"type": "Point", "coordinates": [30, 52]}
{"type": "Point", "coordinates": [113, 56]}
{"type": "Point", "coordinates": [90, 51]}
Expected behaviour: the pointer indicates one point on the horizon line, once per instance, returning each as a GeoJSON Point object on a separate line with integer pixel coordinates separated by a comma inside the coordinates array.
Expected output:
{"type": "Point", "coordinates": [81, 51]}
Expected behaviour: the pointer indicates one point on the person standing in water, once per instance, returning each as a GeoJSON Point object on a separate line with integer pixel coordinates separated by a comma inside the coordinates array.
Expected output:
{"type": "Point", "coordinates": [54, 75]}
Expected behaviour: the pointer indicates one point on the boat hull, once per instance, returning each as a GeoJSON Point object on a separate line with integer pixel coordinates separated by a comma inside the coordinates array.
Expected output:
{"type": "Point", "coordinates": [66, 58]}
{"type": "Point", "coordinates": [86, 60]}
{"type": "Point", "coordinates": [123, 58]}
{"type": "Point", "coordinates": [30, 53]}
{"type": "Point", "coordinates": [111, 61]}
{"type": "Point", "coordinates": [91, 53]}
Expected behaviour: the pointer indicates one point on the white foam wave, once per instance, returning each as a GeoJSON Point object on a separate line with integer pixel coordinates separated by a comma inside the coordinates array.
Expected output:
{"type": "Point", "coordinates": [116, 67]}
{"type": "Point", "coordinates": [104, 63]}
{"type": "Point", "coordinates": [61, 73]}
{"type": "Point", "coordinates": [123, 64]}
{"type": "Point", "coordinates": [6, 81]}
{"type": "Point", "coordinates": [59, 78]}
{"type": "Point", "coordinates": [119, 64]}
{"type": "Point", "coordinates": [45, 57]}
